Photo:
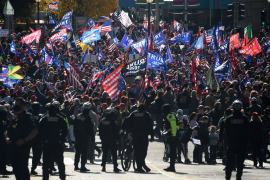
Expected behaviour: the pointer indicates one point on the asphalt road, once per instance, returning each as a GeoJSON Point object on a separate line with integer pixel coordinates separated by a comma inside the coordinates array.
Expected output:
{"type": "Point", "coordinates": [154, 161]}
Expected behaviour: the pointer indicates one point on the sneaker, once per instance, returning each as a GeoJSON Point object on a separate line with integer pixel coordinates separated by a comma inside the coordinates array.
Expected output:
{"type": "Point", "coordinates": [103, 169]}
{"type": "Point", "coordinates": [76, 168]}
{"type": "Point", "coordinates": [147, 169]}
{"type": "Point", "coordinates": [117, 170]}
{"type": "Point", "coordinates": [84, 169]}
{"type": "Point", "coordinates": [33, 172]}
{"type": "Point", "coordinates": [140, 171]}
{"type": "Point", "coordinates": [169, 169]}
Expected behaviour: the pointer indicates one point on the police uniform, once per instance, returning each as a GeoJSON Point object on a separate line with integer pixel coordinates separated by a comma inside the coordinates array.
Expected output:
{"type": "Point", "coordinates": [236, 128]}
{"type": "Point", "coordinates": [170, 124]}
{"type": "Point", "coordinates": [21, 126]}
{"type": "Point", "coordinates": [109, 134]}
{"type": "Point", "coordinates": [4, 122]}
{"type": "Point", "coordinates": [83, 132]}
{"type": "Point", "coordinates": [53, 131]}
{"type": "Point", "coordinates": [140, 125]}
{"type": "Point", "coordinates": [36, 144]}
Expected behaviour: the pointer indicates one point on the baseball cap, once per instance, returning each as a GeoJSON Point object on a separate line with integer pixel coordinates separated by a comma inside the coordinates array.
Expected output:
{"type": "Point", "coordinates": [253, 99]}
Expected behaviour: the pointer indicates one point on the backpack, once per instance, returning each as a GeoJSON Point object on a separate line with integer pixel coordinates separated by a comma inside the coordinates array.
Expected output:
{"type": "Point", "coordinates": [153, 107]}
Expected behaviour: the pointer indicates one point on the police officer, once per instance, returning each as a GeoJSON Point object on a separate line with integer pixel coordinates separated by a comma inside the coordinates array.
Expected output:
{"type": "Point", "coordinates": [140, 124]}
{"type": "Point", "coordinates": [53, 131]}
{"type": "Point", "coordinates": [109, 135]}
{"type": "Point", "coordinates": [19, 135]}
{"type": "Point", "coordinates": [83, 131]}
{"type": "Point", "coordinates": [170, 124]}
{"type": "Point", "coordinates": [236, 127]}
{"type": "Point", "coordinates": [36, 142]}
{"type": "Point", "coordinates": [3, 155]}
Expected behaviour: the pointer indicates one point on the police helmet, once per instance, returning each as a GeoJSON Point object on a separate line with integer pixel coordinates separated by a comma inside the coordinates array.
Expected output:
{"type": "Point", "coordinates": [56, 104]}
{"type": "Point", "coordinates": [237, 105]}
{"type": "Point", "coordinates": [87, 105]}
{"type": "Point", "coordinates": [2, 108]}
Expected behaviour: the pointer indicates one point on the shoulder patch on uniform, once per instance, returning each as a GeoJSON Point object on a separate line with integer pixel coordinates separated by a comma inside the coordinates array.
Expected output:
{"type": "Point", "coordinates": [106, 122]}
{"type": "Point", "coordinates": [53, 119]}
{"type": "Point", "coordinates": [138, 114]}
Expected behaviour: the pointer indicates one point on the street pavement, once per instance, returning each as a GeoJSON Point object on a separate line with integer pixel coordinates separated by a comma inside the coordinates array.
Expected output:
{"type": "Point", "coordinates": [154, 160]}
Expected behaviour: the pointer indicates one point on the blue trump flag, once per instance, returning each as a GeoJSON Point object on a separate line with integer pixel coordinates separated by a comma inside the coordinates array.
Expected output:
{"type": "Point", "coordinates": [217, 36]}
{"type": "Point", "coordinates": [218, 62]}
{"type": "Point", "coordinates": [91, 23]}
{"type": "Point", "coordinates": [168, 56]}
{"type": "Point", "coordinates": [182, 38]}
{"type": "Point", "coordinates": [100, 65]}
{"type": "Point", "coordinates": [100, 55]}
{"type": "Point", "coordinates": [159, 39]}
{"type": "Point", "coordinates": [223, 70]}
{"type": "Point", "coordinates": [126, 42]}
{"type": "Point", "coordinates": [9, 82]}
{"type": "Point", "coordinates": [248, 59]}
{"type": "Point", "coordinates": [90, 36]}
{"type": "Point", "coordinates": [31, 52]}
{"type": "Point", "coordinates": [55, 59]}
{"type": "Point", "coordinates": [199, 43]}
{"type": "Point", "coordinates": [83, 58]}
{"type": "Point", "coordinates": [13, 49]}
{"type": "Point", "coordinates": [140, 46]}
{"type": "Point", "coordinates": [155, 61]}
{"type": "Point", "coordinates": [213, 45]}
{"type": "Point", "coordinates": [68, 15]}
{"type": "Point", "coordinates": [52, 20]}
{"type": "Point", "coordinates": [65, 23]}
{"type": "Point", "coordinates": [224, 47]}
{"type": "Point", "coordinates": [136, 67]}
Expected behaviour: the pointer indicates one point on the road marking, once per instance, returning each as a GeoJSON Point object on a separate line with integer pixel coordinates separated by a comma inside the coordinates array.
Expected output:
{"type": "Point", "coordinates": [67, 161]}
{"type": "Point", "coordinates": [171, 174]}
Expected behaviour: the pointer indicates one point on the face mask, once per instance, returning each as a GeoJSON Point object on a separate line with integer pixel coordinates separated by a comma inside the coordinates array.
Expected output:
{"type": "Point", "coordinates": [17, 108]}
{"type": "Point", "coordinates": [180, 116]}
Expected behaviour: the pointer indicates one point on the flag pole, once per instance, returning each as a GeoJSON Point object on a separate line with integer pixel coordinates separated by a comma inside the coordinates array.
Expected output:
{"type": "Point", "coordinates": [58, 11]}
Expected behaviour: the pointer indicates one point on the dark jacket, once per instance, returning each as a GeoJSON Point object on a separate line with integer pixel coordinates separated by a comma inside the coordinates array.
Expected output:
{"type": "Point", "coordinates": [216, 114]}
{"type": "Point", "coordinates": [186, 136]}
{"type": "Point", "coordinates": [204, 133]}
{"type": "Point", "coordinates": [193, 105]}
{"type": "Point", "coordinates": [255, 132]}
{"type": "Point", "coordinates": [159, 104]}
{"type": "Point", "coordinates": [148, 100]}
{"type": "Point", "coordinates": [183, 100]}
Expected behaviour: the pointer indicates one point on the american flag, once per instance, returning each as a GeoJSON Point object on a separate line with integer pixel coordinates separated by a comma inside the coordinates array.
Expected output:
{"type": "Point", "coordinates": [77, 40]}
{"type": "Point", "coordinates": [98, 75]}
{"type": "Point", "coordinates": [142, 89]}
{"type": "Point", "coordinates": [70, 95]}
{"type": "Point", "coordinates": [51, 87]}
{"type": "Point", "coordinates": [145, 22]}
{"type": "Point", "coordinates": [33, 45]}
{"type": "Point", "coordinates": [209, 34]}
{"type": "Point", "coordinates": [72, 81]}
{"type": "Point", "coordinates": [146, 81]}
{"type": "Point", "coordinates": [110, 84]}
{"type": "Point", "coordinates": [103, 18]}
{"type": "Point", "coordinates": [204, 62]}
{"type": "Point", "coordinates": [168, 84]}
{"type": "Point", "coordinates": [154, 80]}
{"type": "Point", "coordinates": [198, 59]}
{"type": "Point", "coordinates": [106, 27]}
{"type": "Point", "coordinates": [112, 46]}
{"type": "Point", "coordinates": [71, 70]}
{"type": "Point", "coordinates": [88, 87]}
{"type": "Point", "coordinates": [161, 24]}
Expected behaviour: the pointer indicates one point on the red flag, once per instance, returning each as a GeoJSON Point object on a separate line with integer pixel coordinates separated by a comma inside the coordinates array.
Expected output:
{"type": "Point", "coordinates": [193, 71]}
{"type": "Point", "coordinates": [234, 42]}
{"type": "Point", "coordinates": [252, 48]}
{"type": "Point", "coordinates": [32, 29]}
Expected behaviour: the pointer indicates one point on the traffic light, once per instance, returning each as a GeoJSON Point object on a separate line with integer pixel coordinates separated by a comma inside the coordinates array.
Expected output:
{"type": "Point", "coordinates": [230, 11]}
{"type": "Point", "coordinates": [263, 17]}
{"type": "Point", "coordinates": [241, 12]}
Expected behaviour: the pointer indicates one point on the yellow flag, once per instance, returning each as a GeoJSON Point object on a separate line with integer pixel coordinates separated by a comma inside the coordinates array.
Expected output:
{"type": "Point", "coordinates": [84, 47]}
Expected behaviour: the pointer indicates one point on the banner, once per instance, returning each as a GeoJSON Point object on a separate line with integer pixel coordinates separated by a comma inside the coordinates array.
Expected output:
{"type": "Point", "coordinates": [126, 42]}
{"type": "Point", "coordinates": [90, 36]}
{"type": "Point", "coordinates": [53, 5]}
{"type": "Point", "coordinates": [159, 39]}
{"type": "Point", "coordinates": [4, 33]}
{"type": "Point", "coordinates": [181, 38]}
{"type": "Point", "coordinates": [193, 2]}
{"type": "Point", "coordinates": [62, 25]}
{"type": "Point", "coordinates": [251, 49]}
{"type": "Point", "coordinates": [178, 2]}
{"type": "Point", "coordinates": [30, 37]}
{"type": "Point", "coordinates": [124, 19]}
{"type": "Point", "coordinates": [68, 16]}
{"type": "Point", "coordinates": [62, 36]}
{"type": "Point", "coordinates": [234, 42]}
{"type": "Point", "coordinates": [168, 56]}
{"type": "Point", "coordinates": [154, 60]}
{"type": "Point", "coordinates": [139, 46]}
{"type": "Point", "coordinates": [3, 73]}
{"type": "Point", "coordinates": [136, 67]}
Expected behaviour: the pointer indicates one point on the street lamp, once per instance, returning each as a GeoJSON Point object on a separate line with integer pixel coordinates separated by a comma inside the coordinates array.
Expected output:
{"type": "Point", "coordinates": [38, 1]}
{"type": "Point", "coordinates": [149, 6]}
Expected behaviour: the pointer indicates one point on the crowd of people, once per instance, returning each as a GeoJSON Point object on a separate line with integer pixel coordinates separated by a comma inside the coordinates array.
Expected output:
{"type": "Point", "coordinates": [43, 109]}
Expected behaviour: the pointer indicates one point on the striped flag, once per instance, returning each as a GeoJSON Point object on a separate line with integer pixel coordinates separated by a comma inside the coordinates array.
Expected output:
{"type": "Point", "coordinates": [33, 45]}
{"type": "Point", "coordinates": [88, 87]}
{"type": "Point", "coordinates": [154, 80]}
{"type": "Point", "coordinates": [71, 70]}
{"type": "Point", "coordinates": [70, 95]}
{"type": "Point", "coordinates": [145, 22]}
{"type": "Point", "coordinates": [106, 27]}
{"type": "Point", "coordinates": [72, 81]}
{"type": "Point", "coordinates": [204, 62]}
{"type": "Point", "coordinates": [208, 35]}
{"type": "Point", "coordinates": [77, 40]}
{"type": "Point", "coordinates": [198, 59]}
{"type": "Point", "coordinates": [142, 89]}
{"type": "Point", "coordinates": [146, 81]}
{"type": "Point", "coordinates": [103, 18]}
{"type": "Point", "coordinates": [110, 84]}
{"type": "Point", "coordinates": [112, 46]}
{"type": "Point", "coordinates": [51, 87]}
